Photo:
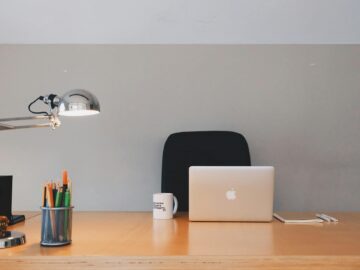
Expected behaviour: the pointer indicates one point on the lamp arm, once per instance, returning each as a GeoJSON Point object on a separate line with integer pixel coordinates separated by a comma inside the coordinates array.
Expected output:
{"type": "Point", "coordinates": [53, 119]}
{"type": "Point", "coordinates": [35, 117]}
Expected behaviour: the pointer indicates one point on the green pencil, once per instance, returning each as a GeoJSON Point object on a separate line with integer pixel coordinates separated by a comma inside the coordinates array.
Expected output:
{"type": "Point", "coordinates": [67, 201]}
{"type": "Point", "coordinates": [58, 198]}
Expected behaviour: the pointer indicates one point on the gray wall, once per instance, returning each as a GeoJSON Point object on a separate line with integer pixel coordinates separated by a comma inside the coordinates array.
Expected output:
{"type": "Point", "coordinates": [179, 21]}
{"type": "Point", "coordinates": [298, 106]}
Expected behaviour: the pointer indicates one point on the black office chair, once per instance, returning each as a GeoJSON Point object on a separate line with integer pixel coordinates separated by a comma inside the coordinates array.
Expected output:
{"type": "Point", "coordinates": [200, 148]}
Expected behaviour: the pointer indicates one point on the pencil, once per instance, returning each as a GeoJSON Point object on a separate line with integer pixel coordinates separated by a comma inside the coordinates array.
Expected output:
{"type": "Point", "coordinates": [65, 179]}
{"type": "Point", "coordinates": [59, 213]}
{"type": "Point", "coordinates": [49, 195]}
{"type": "Point", "coordinates": [54, 190]}
{"type": "Point", "coordinates": [67, 203]}
{"type": "Point", "coordinates": [50, 200]}
{"type": "Point", "coordinates": [43, 198]}
{"type": "Point", "coordinates": [58, 197]}
{"type": "Point", "coordinates": [70, 186]}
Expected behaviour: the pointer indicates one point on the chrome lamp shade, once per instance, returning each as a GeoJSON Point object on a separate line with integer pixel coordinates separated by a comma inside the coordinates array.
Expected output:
{"type": "Point", "coordinates": [78, 102]}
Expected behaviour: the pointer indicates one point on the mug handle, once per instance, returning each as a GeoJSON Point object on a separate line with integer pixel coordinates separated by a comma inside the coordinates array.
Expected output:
{"type": "Point", "coordinates": [175, 205]}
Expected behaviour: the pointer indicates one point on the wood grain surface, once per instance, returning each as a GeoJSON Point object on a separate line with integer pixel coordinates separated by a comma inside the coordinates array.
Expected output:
{"type": "Point", "coordinates": [182, 262]}
{"type": "Point", "coordinates": [133, 240]}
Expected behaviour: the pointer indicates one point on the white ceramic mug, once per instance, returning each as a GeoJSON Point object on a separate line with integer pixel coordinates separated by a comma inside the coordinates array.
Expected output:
{"type": "Point", "coordinates": [164, 205]}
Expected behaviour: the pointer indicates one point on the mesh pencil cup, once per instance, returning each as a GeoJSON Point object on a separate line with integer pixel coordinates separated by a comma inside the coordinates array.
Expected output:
{"type": "Point", "coordinates": [56, 226]}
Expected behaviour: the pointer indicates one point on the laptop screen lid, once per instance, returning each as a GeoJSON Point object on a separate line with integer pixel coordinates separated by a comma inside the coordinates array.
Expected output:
{"type": "Point", "coordinates": [231, 193]}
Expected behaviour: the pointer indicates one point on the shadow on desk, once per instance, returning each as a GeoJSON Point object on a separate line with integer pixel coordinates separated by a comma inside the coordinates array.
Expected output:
{"type": "Point", "coordinates": [214, 236]}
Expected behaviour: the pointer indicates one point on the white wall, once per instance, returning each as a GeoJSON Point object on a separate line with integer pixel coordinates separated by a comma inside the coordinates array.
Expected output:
{"type": "Point", "coordinates": [180, 21]}
{"type": "Point", "coordinates": [298, 106]}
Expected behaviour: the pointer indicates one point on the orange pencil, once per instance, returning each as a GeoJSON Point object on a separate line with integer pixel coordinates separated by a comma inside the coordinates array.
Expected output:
{"type": "Point", "coordinates": [65, 179]}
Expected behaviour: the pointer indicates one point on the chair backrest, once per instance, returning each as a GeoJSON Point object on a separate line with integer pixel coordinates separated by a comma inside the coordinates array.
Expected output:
{"type": "Point", "coordinates": [199, 148]}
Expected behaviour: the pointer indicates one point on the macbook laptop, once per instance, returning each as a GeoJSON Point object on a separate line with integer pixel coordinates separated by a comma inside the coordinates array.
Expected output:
{"type": "Point", "coordinates": [6, 199]}
{"type": "Point", "coordinates": [231, 193]}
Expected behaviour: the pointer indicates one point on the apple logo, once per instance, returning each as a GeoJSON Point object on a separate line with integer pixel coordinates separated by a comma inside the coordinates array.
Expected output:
{"type": "Point", "coordinates": [231, 194]}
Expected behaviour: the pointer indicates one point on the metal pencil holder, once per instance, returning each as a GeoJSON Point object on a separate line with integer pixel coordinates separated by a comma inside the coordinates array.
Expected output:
{"type": "Point", "coordinates": [56, 226]}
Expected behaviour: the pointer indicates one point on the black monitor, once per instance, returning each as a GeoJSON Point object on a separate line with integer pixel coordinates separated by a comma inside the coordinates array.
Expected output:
{"type": "Point", "coordinates": [6, 200]}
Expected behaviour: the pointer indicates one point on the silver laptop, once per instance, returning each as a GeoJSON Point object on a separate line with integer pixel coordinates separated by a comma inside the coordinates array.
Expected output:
{"type": "Point", "coordinates": [231, 193]}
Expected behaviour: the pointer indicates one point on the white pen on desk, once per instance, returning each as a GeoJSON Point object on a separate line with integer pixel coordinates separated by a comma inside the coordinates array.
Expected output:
{"type": "Point", "coordinates": [321, 216]}
{"type": "Point", "coordinates": [331, 218]}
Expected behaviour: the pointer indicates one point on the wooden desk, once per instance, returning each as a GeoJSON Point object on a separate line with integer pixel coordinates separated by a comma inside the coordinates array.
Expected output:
{"type": "Point", "coordinates": [128, 240]}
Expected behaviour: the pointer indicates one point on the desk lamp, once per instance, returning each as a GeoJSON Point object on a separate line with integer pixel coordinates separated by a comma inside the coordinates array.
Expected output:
{"type": "Point", "coordinates": [76, 102]}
